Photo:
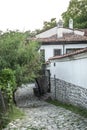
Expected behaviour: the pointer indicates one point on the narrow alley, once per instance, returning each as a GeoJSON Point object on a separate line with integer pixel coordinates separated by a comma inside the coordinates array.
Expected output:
{"type": "Point", "coordinates": [40, 115]}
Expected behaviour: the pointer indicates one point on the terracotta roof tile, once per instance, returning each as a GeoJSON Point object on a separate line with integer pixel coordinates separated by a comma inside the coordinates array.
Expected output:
{"type": "Point", "coordinates": [84, 30]}
{"type": "Point", "coordinates": [65, 38]}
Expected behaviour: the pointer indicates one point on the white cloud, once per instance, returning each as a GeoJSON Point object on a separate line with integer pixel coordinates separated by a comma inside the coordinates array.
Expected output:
{"type": "Point", "coordinates": [29, 14]}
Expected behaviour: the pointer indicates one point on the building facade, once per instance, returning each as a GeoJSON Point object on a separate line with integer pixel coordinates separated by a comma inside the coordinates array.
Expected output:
{"type": "Point", "coordinates": [65, 52]}
{"type": "Point", "coordinates": [59, 41]}
{"type": "Point", "coordinates": [68, 78]}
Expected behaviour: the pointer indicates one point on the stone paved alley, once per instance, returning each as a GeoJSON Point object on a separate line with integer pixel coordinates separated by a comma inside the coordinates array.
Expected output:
{"type": "Point", "coordinates": [41, 115]}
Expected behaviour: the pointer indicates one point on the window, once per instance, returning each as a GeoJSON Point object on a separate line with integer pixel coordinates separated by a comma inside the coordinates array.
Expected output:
{"type": "Point", "coordinates": [70, 50]}
{"type": "Point", "coordinates": [54, 64]}
{"type": "Point", "coordinates": [57, 52]}
{"type": "Point", "coordinates": [42, 55]}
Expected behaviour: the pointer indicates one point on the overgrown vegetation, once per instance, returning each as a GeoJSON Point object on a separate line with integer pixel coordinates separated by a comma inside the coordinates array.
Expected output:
{"type": "Point", "coordinates": [47, 25]}
{"type": "Point", "coordinates": [19, 63]}
{"type": "Point", "coordinates": [81, 111]}
{"type": "Point", "coordinates": [10, 115]}
{"type": "Point", "coordinates": [76, 10]}
{"type": "Point", "coordinates": [7, 85]}
{"type": "Point", "coordinates": [19, 55]}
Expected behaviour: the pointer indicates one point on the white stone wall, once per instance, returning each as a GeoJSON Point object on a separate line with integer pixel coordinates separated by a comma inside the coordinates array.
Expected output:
{"type": "Point", "coordinates": [49, 49]}
{"type": "Point", "coordinates": [69, 80]}
{"type": "Point", "coordinates": [68, 93]}
{"type": "Point", "coordinates": [79, 32]}
{"type": "Point", "coordinates": [47, 33]}
{"type": "Point", "coordinates": [72, 46]}
{"type": "Point", "coordinates": [58, 31]}
{"type": "Point", "coordinates": [72, 69]}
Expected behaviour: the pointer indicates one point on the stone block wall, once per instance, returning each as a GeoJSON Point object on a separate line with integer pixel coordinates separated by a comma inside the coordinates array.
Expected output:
{"type": "Point", "coordinates": [68, 93]}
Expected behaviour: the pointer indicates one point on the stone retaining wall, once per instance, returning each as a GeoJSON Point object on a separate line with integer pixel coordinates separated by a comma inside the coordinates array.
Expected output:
{"type": "Point", "coordinates": [68, 93]}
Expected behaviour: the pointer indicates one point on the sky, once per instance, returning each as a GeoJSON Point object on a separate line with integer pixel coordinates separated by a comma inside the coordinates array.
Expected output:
{"type": "Point", "coordinates": [26, 15]}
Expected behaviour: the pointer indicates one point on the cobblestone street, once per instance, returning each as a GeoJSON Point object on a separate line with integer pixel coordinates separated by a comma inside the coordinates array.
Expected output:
{"type": "Point", "coordinates": [41, 115]}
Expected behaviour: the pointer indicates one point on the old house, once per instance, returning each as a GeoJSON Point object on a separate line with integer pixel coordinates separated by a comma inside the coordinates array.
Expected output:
{"type": "Point", "coordinates": [65, 52]}
{"type": "Point", "coordinates": [60, 40]}
{"type": "Point", "coordinates": [69, 77]}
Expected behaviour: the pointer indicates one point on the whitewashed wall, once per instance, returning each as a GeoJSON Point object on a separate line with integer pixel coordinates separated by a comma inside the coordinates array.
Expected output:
{"type": "Point", "coordinates": [79, 32]}
{"type": "Point", "coordinates": [58, 31]}
{"type": "Point", "coordinates": [72, 46]}
{"type": "Point", "coordinates": [49, 49]}
{"type": "Point", "coordinates": [47, 33]}
{"type": "Point", "coordinates": [72, 70]}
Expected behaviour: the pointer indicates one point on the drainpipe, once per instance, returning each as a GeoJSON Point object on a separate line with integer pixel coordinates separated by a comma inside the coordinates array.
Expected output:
{"type": "Point", "coordinates": [55, 85]}
{"type": "Point", "coordinates": [63, 49]}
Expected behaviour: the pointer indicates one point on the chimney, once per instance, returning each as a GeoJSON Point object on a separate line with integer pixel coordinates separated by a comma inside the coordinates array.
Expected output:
{"type": "Point", "coordinates": [71, 23]}
{"type": "Point", "coordinates": [60, 24]}
{"type": "Point", "coordinates": [60, 29]}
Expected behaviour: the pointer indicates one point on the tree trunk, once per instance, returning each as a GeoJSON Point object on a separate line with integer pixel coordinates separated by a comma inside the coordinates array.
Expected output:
{"type": "Point", "coordinates": [2, 102]}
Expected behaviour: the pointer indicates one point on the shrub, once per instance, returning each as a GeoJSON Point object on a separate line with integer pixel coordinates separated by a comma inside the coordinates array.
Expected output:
{"type": "Point", "coordinates": [20, 55]}
{"type": "Point", "coordinates": [7, 84]}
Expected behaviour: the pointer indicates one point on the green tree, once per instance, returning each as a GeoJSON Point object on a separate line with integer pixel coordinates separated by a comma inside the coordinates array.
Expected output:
{"type": "Point", "coordinates": [47, 25]}
{"type": "Point", "coordinates": [7, 85]}
{"type": "Point", "coordinates": [10, 42]}
{"type": "Point", "coordinates": [28, 62]}
{"type": "Point", "coordinates": [19, 63]}
{"type": "Point", "coordinates": [77, 10]}
{"type": "Point", "coordinates": [19, 55]}
{"type": "Point", "coordinates": [52, 23]}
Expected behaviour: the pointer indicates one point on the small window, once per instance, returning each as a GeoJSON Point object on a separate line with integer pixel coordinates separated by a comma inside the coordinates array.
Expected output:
{"type": "Point", "coordinates": [57, 52]}
{"type": "Point", "coordinates": [54, 64]}
{"type": "Point", "coordinates": [70, 50]}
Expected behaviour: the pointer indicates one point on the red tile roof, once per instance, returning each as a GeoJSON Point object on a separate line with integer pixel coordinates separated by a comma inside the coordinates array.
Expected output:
{"type": "Point", "coordinates": [70, 54]}
{"type": "Point", "coordinates": [84, 30]}
{"type": "Point", "coordinates": [65, 38]}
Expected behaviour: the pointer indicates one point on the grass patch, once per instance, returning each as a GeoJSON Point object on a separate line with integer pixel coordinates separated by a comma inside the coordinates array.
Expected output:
{"type": "Point", "coordinates": [75, 109]}
{"type": "Point", "coordinates": [12, 114]}
{"type": "Point", "coordinates": [15, 113]}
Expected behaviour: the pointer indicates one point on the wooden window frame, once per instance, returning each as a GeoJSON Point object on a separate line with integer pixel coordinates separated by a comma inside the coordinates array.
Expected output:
{"type": "Point", "coordinates": [57, 53]}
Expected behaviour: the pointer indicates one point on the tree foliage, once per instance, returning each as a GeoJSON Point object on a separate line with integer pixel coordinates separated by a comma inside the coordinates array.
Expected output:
{"type": "Point", "coordinates": [77, 10]}
{"type": "Point", "coordinates": [47, 25]}
{"type": "Point", "coordinates": [20, 56]}
{"type": "Point", "coordinates": [7, 84]}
